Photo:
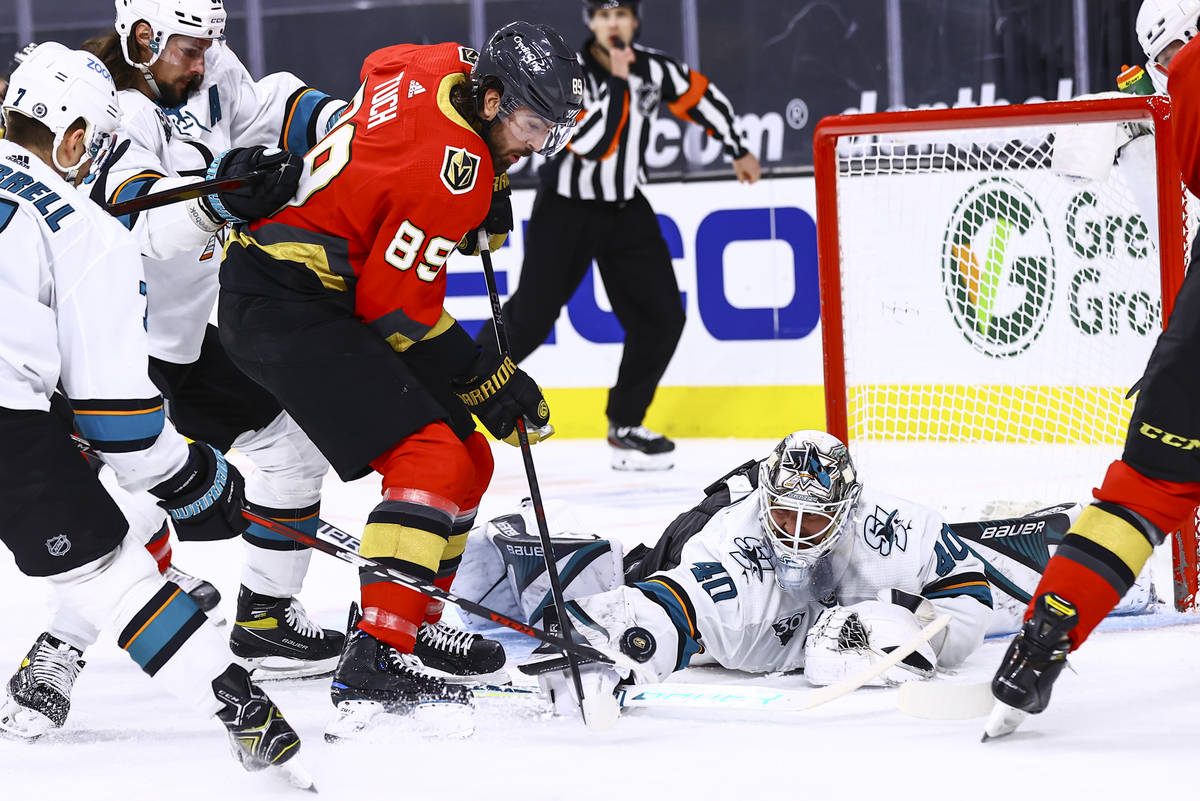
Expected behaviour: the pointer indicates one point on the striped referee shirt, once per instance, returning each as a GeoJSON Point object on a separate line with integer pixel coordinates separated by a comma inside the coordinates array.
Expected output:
{"type": "Point", "coordinates": [605, 160]}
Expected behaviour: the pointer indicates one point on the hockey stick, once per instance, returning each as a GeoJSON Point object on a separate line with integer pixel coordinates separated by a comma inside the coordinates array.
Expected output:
{"type": "Point", "coordinates": [535, 493]}
{"type": "Point", "coordinates": [429, 590]}
{"type": "Point", "coordinates": [185, 192]}
{"type": "Point", "coordinates": [672, 695]}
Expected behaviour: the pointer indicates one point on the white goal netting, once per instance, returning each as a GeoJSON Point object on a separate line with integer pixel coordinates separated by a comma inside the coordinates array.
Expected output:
{"type": "Point", "coordinates": [1001, 289]}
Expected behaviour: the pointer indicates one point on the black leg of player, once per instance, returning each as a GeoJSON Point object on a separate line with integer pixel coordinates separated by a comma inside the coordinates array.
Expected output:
{"type": "Point", "coordinates": [535, 493]}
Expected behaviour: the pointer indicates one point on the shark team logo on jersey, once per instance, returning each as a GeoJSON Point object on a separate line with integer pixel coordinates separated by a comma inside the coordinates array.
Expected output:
{"type": "Point", "coordinates": [751, 555]}
{"type": "Point", "coordinates": [998, 268]}
{"type": "Point", "coordinates": [786, 627]}
{"type": "Point", "coordinates": [58, 545]}
{"type": "Point", "coordinates": [460, 168]}
{"type": "Point", "coordinates": [883, 531]}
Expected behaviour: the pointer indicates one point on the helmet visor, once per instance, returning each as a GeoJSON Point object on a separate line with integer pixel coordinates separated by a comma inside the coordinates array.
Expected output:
{"type": "Point", "coordinates": [543, 136]}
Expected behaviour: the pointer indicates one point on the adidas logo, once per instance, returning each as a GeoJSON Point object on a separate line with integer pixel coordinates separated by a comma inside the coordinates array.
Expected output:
{"type": "Point", "coordinates": [415, 88]}
{"type": "Point", "coordinates": [20, 159]}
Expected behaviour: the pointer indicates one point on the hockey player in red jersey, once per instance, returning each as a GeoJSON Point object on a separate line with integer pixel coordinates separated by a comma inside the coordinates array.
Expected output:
{"type": "Point", "coordinates": [1152, 490]}
{"type": "Point", "coordinates": [334, 304]}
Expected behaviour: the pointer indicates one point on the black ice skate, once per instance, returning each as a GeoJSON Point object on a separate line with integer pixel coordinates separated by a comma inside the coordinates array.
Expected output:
{"type": "Point", "coordinates": [639, 448]}
{"type": "Point", "coordinates": [1033, 661]}
{"type": "Point", "coordinates": [202, 592]}
{"type": "Point", "coordinates": [374, 679]}
{"type": "Point", "coordinates": [460, 656]}
{"type": "Point", "coordinates": [258, 734]}
{"type": "Point", "coordinates": [39, 693]}
{"type": "Point", "coordinates": [276, 637]}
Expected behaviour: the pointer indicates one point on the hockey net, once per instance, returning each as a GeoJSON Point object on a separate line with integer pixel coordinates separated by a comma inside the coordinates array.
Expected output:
{"type": "Point", "coordinates": [992, 284]}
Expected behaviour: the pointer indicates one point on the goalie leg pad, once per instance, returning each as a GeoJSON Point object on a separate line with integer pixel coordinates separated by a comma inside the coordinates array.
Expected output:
{"type": "Point", "coordinates": [587, 565]}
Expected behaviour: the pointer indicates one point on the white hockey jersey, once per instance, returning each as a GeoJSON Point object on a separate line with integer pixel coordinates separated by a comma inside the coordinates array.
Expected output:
{"type": "Point", "coordinates": [74, 311]}
{"type": "Point", "coordinates": [162, 148]}
{"type": "Point", "coordinates": [721, 604]}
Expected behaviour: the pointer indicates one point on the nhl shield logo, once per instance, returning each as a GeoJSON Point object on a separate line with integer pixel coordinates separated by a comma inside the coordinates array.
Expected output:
{"type": "Point", "coordinates": [460, 168]}
{"type": "Point", "coordinates": [58, 545]}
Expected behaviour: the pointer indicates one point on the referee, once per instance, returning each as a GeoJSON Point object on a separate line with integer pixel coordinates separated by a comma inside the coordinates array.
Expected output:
{"type": "Point", "coordinates": [588, 206]}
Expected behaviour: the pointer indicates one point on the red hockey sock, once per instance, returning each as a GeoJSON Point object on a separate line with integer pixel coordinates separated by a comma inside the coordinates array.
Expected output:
{"type": "Point", "coordinates": [1092, 596]}
{"type": "Point", "coordinates": [392, 613]}
{"type": "Point", "coordinates": [160, 547]}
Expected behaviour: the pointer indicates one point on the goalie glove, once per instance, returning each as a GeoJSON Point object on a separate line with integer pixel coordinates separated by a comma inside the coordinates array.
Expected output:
{"type": "Point", "coordinates": [599, 681]}
{"type": "Point", "coordinates": [846, 639]}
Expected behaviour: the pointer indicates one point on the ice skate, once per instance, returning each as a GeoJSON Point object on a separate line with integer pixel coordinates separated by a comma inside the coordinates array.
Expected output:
{"type": "Point", "coordinates": [459, 656]}
{"type": "Point", "coordinates": [1033, 661]}
{"type": "Point", "coordinates": [374, 680]}
{"type": "Point", "coordinates": [276, 637]}
{"type": "Point", "coordinates": [39, 693]}
{"type": "Point", "coordinates": [639, 448]}
{"type": "Point", "coordinates": [258, 734]}
{"type": "Point", "coordinates": [206, 596]}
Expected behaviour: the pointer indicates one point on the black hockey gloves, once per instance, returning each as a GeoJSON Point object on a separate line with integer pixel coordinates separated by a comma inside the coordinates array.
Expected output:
{"type": "Point", "coordinates": [498, 393]}
{"type": "Point", "coordinates": [205, 498]}
{"type": "Point", "coordinates": [263, 197]}
{"type": "Point", "coordinates": [498, 223]}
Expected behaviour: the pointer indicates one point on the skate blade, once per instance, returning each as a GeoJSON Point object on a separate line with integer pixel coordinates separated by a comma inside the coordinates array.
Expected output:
{"type": "Point", "coordinates": [368, 720]}
{"type": "Point", "coordinates": [633, 460]}
{"type": "Point", "coordinates": [22, 723]}
{"type": "Point", "coordinates": [495, 678]}
{"type": "Point", "coordinates": [1003, 721]}
{"type": "Point", "coordinates": [279, 668]}
{"type": "Point", "coordinates": [294, 774]}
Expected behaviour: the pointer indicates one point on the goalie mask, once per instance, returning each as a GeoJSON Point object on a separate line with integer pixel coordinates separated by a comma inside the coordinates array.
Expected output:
{"type": "Point", "coordinates": [57, 86]}
{"type": "Point", "coordinates": [807, 489]}
{"type": "Point", "coordinates": [541, 83]}
{"type": "Point", "coordinates": [1159, 24]}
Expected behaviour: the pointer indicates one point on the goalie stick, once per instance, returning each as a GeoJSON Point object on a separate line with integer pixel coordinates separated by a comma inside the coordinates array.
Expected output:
{"type": "Point", "coordinates": [535, 494]}
{"type": "Point", "coordinates": [185, 192]}
{"type": "Point", "coordinates": [429, 590]}
{"type": "Point", "coordinates": [682, 695]}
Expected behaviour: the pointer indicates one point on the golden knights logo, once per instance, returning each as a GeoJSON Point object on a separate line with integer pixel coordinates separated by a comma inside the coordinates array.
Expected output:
{"type": "Point", "coordinates": [460, 168]}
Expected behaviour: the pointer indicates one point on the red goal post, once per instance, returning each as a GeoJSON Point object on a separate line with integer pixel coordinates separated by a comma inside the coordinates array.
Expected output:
{"type": "Point", "coordinates": [986, 303]}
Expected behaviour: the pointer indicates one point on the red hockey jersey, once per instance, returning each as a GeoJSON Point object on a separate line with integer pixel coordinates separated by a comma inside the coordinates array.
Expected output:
{"type": "Point", "coordinates": [385, 197]}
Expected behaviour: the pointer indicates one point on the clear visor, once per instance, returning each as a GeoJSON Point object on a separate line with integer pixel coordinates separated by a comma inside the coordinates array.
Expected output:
{"type": "Point", "coordinates": [543, 136]}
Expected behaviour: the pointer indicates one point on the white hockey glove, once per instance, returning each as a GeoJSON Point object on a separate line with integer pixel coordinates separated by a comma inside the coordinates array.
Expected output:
{"type": "Point", "coordinates": [846, 639]}
{"type": "Point", "coordinates": [599, 681]}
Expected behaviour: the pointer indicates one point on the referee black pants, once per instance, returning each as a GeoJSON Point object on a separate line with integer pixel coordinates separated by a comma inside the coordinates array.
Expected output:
{"type": "Point", "coordinates": [624, 239]}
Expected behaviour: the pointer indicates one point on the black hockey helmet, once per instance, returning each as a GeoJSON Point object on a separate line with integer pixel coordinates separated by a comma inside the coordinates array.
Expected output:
{"type": "Point", "coordinates": [590, 7]}
{"type": "Point", "coordinates": [537, 69]}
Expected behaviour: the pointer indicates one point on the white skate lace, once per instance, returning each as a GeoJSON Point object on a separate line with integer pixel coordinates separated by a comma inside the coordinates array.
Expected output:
{"type": "Point", "coordinates": [55, 667]}
{"type": "Point", "coordinates": [444, 638]}
{"type": "Point", "coordinates": [186, 581]}
{"type": "Point", "coordinates": [299, 621]}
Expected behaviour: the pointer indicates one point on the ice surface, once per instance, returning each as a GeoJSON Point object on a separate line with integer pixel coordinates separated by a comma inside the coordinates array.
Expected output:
{"type": "Point", "coordinates": [1126, 723]}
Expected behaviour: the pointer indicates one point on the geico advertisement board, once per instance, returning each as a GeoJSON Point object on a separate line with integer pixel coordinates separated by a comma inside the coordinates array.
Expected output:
{"type": "Point", "coordinates": [1015, 277]}
{"type": "Point", "coordinates": [749, 361]}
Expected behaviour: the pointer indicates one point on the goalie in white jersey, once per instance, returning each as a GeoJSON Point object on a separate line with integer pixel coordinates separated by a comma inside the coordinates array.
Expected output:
{"type": "Point", "coordinates": [72, 290]}
{"type": "Point", "coordinates": [788, 563]}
